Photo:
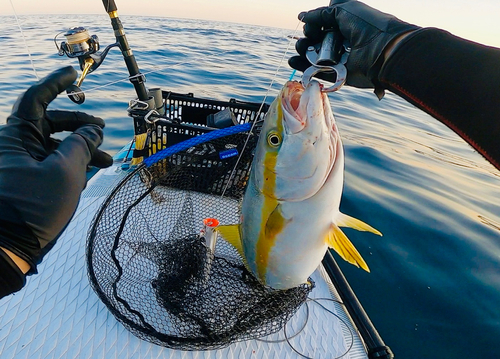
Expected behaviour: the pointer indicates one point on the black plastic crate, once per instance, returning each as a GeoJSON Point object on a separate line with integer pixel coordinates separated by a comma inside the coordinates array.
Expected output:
{"type": "Point", "coordinates": [188, 109]}
{"type": "Point", "coordinates": [186, 116]}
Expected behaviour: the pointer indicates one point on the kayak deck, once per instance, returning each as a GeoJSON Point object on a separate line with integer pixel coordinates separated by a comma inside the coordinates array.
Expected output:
{"type": "Point", "coordinates": [57, 314]}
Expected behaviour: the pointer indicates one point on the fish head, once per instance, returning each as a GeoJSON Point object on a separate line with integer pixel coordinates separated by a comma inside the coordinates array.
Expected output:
{"type": "Point", "coordinates": [298, 145]}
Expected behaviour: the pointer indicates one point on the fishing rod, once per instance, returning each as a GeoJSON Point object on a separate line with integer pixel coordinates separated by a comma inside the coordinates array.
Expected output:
{"type": "Point", "coordinates": [136, 78]}
{"type": "Point", "coordinates": [81, 45]}
{"type": "Point", "coordinates": [377, 349]}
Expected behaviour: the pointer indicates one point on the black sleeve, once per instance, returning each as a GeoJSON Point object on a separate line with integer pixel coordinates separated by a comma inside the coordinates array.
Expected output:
{"type": "Point", "coordinates": [452, 79]}
{"type": "Point", "coordinates": [11, 277]}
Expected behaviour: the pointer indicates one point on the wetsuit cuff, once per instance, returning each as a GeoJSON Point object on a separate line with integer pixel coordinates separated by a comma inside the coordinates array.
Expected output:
{"type": "Point", "coordinates": [16, 237]}
{"type": "Point", "coordinates": [11, 277]}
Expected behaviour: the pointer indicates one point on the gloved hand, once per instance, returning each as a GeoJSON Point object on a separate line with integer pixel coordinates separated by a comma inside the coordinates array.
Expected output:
{"type": "Point", "coordinates": [367, 30]}
{"type": "Point", "coordinates": [41, 178]}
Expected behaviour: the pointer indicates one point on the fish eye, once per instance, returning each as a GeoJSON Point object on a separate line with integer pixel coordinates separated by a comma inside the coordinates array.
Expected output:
{"type": "Point", "coordinates": [274, 139]}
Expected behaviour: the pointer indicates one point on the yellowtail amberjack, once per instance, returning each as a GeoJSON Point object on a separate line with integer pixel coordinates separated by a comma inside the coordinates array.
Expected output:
{"type": "Point", "coordinates": [290, 211]}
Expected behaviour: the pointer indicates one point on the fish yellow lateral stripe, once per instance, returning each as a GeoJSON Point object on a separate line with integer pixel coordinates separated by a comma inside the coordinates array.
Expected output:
{"type": "Point", "coordinates": [271, 220]}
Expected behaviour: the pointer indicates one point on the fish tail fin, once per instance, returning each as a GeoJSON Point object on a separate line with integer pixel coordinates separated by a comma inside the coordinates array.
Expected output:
{"type": "Point", "coordinates": [343, 220]}
{"type": "Point", "coordinates": [232, 235]}
{"type": "Point", "coordinates": [337, 240]}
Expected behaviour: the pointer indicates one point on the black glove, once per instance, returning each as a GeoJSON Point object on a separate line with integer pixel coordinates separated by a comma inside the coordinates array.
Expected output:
{"type": "Point", "coordinates": [367, 30]}
{"type": "Point", "coordinates": [41, 178]}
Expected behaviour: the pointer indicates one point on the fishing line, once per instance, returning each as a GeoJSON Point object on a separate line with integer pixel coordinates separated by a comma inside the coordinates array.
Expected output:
{"type": "Point", "coordinates": [260, 109]}
{"type": "Point", "coordinates": [288, 338]}
{"type": "Point", "coordinates": [24, 40]}
{"type": "Point", "coordinates": [158, 69]}
{"type": "Point", "coordinates": [293, 336]}
{"type": "Point", "coordinates": [316, 300]}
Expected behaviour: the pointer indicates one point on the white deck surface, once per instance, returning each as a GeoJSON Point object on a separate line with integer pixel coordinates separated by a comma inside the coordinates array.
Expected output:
{"type": "Point", "coordinates": [57, 314]}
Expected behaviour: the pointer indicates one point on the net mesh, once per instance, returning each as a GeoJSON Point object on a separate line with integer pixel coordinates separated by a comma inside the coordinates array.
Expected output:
{"type": "Point", "coordinates": [152, 269]}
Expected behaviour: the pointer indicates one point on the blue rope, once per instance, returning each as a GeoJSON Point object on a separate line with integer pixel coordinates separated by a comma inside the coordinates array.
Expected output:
{"type": "Point", "coordinates": [184, 145]}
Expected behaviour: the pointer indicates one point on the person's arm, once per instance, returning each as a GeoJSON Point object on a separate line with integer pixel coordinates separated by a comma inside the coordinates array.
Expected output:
{"type": "Point", "coordinates": [41, 178]}
{"type": "Point", "coordinates": [454, 80]}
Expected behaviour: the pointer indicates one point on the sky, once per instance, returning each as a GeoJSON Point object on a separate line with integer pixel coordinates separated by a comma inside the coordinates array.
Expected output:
{"type": "Point", "coordinates": [477, 20]}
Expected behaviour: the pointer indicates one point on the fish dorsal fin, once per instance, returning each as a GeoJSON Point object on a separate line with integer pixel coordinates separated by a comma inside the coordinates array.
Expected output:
{"type": "Point", "coordinates": [337, 240]}
{"type": "Point", "coordinates": [343, 220]}
{"type": "Point", "coordinates": [232, 235]}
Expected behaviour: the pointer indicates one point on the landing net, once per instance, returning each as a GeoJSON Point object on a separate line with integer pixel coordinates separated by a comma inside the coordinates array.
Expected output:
{"type": "Point", "coordinates": [148, 263]}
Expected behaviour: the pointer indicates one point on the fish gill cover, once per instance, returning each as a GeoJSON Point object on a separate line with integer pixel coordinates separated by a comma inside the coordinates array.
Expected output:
{"type": "Point", "coordinates": [149, 265]}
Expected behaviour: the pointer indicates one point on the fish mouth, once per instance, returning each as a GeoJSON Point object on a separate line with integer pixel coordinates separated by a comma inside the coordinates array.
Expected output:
{"type": "Point", "coordinates": [292, 95]}
{"type": "Point", "coordinates": [295, 99]}
{"type": "Point", "coordinates": [307, 153]}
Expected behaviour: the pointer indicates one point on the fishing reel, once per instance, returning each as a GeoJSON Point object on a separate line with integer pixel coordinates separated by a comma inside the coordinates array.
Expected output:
{"type": "Point", "coordinates": [79, 44]}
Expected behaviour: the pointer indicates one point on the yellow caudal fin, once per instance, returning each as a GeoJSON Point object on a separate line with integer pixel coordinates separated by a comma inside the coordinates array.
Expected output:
{"type": "Point", "coordinates": [231, 233]}
{"type": "Point", "coordinates": [343, 220]}
{"type": "Point", "coordinates": [337, 240]}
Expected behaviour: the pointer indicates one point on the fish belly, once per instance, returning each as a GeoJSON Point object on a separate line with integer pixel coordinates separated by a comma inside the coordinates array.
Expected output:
{"type": "Point", "coordinates": [300, 247]}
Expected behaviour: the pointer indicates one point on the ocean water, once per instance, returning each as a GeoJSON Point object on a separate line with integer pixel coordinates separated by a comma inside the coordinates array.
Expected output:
{"type": "Point", "coordinates": [434, 286]}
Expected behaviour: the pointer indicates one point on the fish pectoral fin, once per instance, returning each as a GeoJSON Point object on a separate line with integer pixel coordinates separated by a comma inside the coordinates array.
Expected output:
{"type": "Point", "coordinates": [343, 220]}
{"type": "Point", "coordinates": [232, 235]}
{"type": "Point", "coordinates": [275, 223]}
{"type": "Point", "coordinates": [337, 240]}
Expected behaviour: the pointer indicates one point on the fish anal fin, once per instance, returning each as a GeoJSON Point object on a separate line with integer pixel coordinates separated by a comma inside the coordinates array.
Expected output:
{"type": "Point", "coordinates": [337, 240]}
{"type": "Point", "coordinates": [343, 220]}
{"type": "Point", "coordinates": [232, 235]}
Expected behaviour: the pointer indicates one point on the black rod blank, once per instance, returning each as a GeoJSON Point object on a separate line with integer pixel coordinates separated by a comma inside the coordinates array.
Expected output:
{"type": "Point", "coordinates": [136, 78]}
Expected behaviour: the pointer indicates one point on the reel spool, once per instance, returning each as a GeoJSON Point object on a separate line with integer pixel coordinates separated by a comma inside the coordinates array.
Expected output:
{"type": "Point", "coordinates": [79, 43]}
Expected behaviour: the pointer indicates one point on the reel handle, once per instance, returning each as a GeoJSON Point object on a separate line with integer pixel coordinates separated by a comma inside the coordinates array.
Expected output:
{"type": "Point", "coordinates": [75, 94]}
{"type": "Point", "coordinates": [109, 5]}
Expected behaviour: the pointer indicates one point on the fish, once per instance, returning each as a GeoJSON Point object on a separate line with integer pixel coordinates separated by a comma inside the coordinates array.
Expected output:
{"type": "Point", "coordinates": [290, 209]}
